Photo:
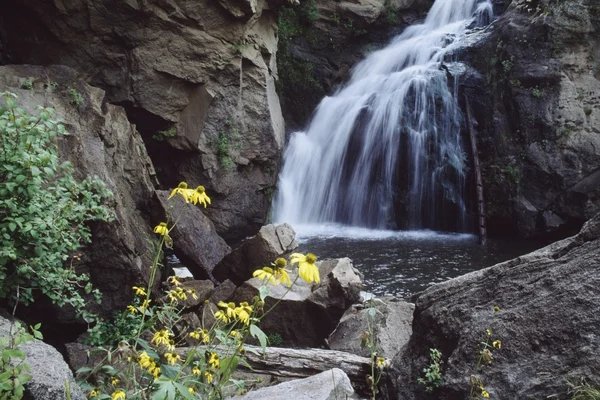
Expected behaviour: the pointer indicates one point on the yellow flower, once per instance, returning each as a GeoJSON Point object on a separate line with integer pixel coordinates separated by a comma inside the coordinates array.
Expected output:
{"type": "Point", "coordinates": [154, 370]}
{"type": "Point", "coordinates": [208, 376]}
{"type": "Point", "coordinates": [488, 332]}
{"type": "Point", "coordinates": [265, 274]}
{"type": "Point", "coordinates": [199, 196]}
{"type": "Point", "coordinates": [280, 263]}
{"type": "Point", "coordinates": [205, 336]}
{"type": "Point", "coordinates": [173, 280]}
{"type": "Point", "coordinates": [132, 309]}
{"type": "Point", "coordinates": [235, 334]}
{"type": "Point", "coordinates": [144, 360]}
{"type": "Point", "coordinates": [229, 309]}
{"type": "Point", "coordinates": [485, 394]}
{"type": "Point", "coordinates": [161, 229]}
{"type": "Point", "coordinates": [193, 293]}
{"type": "Point", "coordinates": [191, 390]}
{"type": "Point", "coordinates": [94, 393]}
{"type": "Point", "coordinates": [221, 316]}
{"type": "Point", "coordinates": [195, 335]}
{"type": "Point", "coordinates": [243, 312]}
{"type": "Point", "coordinates": [172, 358]}
{"type": "Point", "coordinates": [139, 291]}
{"type": "Point", "coordinates": [114, 380]}
{"type": "Point", "coordinates": [380, 363]}
{"type": "Point", "coordinates": [196, 371]}
{"type": "Point", "coordinates": [161, 337]}
{"type": "Point", "coordinates": [145, 304]}
{"type": "Point", "coordinates": [282, 276]}
{"type": "Point", "coordinates": [118, 395]}
{"type": "Point", "coordinates": [497, 344]}
{"type": "Point", "coordinates": [183, 190]}
{"type": "Point", "coordinates": [213, 360]}
{"type": "Point", "coordinates": [306, 266]}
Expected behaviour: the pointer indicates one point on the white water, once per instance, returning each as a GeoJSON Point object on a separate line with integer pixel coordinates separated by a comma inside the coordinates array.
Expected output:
{"type": "Point", "coordinates": [385, 151]}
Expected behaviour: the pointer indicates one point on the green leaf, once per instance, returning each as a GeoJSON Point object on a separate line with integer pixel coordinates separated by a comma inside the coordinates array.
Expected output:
{"type": "Point", "coordinates": [12, 226]}
{"type": "Point", "coordinates": [184, 391]}
{"type": "Point", "coordinates": [257, 333]}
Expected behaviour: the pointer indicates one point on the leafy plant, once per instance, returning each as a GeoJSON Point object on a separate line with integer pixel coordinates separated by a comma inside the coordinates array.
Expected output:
{"type": "Point", "coordinates": [226, 140]}
{"type": "Point", "coordinates": [537, 93]}
{"type": "Point", "coordinates": [486, 348]}
{"type": "Point", "coordinates": [583, 391]}
{"type": "Point", "coordinates": [274, 339]}
{"type": "Point", "coordinates": [44, 211]}
{"type": "Point", "coordinates": [432, 378]}
{"type": "Point", "coordinates": [164, 134]}
{"type": "Point", "coordinates": [368, 340]}
{"type": "Point", "coordinates": [76, 98]}
{"type": "Point", "coordinates": [27, 84]}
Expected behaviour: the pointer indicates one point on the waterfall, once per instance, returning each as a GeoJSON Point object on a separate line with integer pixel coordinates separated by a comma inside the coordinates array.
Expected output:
{"type": "Point", "coordinates": [385, 151]}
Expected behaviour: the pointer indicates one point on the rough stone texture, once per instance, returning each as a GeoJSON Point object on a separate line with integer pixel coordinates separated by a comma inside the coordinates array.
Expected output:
{"type": "Point", "coordinates": [535, 91]}
{"type": "Point", "coordinates": [329, 385]}
{"type": "Point", "coordinates": [223, 291]}
{"type": "Point", "coordinates": [204, 68]}
{"type": "Point", "coordinates": [392, 328]}
{"type": "Point", "coordinates": [549, 303]}
{"type": "Point", "coordinates": [49, 370]}
{"type": "Point", "coordinates": [261, 250]}
{"type": "Point", "coordinates": [307, 313]}
{"type": "Point", "coordinates": [195, 239]}
{"type": "Point", "coordinates": [101, 142]}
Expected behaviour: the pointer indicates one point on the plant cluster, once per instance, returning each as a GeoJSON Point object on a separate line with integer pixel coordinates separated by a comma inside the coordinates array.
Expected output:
{"type": "Point", "coordinates": [164, 134]}
{"type": "Point", "coordinates": [44, 212]}
{"type": "Point", "coordinates": [486, 348]}
{"type": "Point", "coordinates": [13, 368]}
{"type": "Point", "coordinates": [226, 140]}
{"type": "Point", "coordinates": [368, 340]}
{"type": "Point", "coordinates": [146, 363]}
{"type": "Point", "coordinates": [432, 373]}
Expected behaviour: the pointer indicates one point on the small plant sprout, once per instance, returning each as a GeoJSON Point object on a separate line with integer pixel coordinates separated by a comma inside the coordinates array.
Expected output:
{"type": "Point", "coordinates": [432, 373]}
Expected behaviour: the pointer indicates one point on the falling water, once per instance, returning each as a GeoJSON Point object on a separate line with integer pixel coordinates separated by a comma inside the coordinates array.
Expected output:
{"type": "Point", "coordinates": [385, 151]}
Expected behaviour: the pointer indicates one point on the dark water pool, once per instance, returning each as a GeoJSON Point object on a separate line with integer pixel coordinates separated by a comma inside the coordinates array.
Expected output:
{"type": "Point", "coordinates": [405, 263]}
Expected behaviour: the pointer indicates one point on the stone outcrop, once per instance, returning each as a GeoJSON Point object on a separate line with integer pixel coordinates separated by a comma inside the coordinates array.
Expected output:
{"type": "Point", "coordinates": [546, 319]}
{"type": "Point", "coordinates": [271, 242]}
{"type": "Point", "coordinates": [328, 385]}
{"type": "Point", "coordinates": [195, 239]}
{"type": "Point", "coordinates": [49, 371]}
{"type": "Point", "coordinates": [196, 77]}
{"type": "Point", "coordinates": [101, 142]}
{"type": "Point", "coordinates": [534, 87]}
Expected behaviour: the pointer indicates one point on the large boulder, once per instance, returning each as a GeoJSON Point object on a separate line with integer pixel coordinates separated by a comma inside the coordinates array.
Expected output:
{"type": "Point", "coordinates": [391, 327]}
{"type": "Point", "coordinates": [101, 142]}
{"type": "Point", "coordinates": [533, 90]}
{"type": "Point", "coordinates": [261, 250]}
{"type": "Point", "coordinates": [49, 372]}
{"type": "Point", "coordinates": [543, 307]}
{"type": "Point", "coordinates": [328, 385]}
{"type": "Point", "coordinates": [197, 77]}
{"type": "Point", "coordinates": [195, 239]}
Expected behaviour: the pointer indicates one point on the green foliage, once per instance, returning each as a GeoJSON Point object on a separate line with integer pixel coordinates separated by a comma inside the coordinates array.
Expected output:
{"type": "Point", "coordinates": [123, 326]}
{"type": "Point", "coordinates": [13, 368]}
{"type": "Point", "coordinates": [27, 84]}
{"type": "Point", "coordinates": [162, 135]}
{"type": "Point", "coordinates": [537, 93]}
{"type": "Point", "coordinates": [76, 98]}
{"type": "Point", "coordinates": [432, 378]}
{"type": "Point", "coordinates": [583, 391]}
{"type": "Point", "coordinates": [44, 211]}
{"type": "Point", "coordinates": [369, 341]}
{"type": "Point", "coordinates": [514, 173]}
{"type": "Point", "coordinates": [274, 339]}
{"type": "Point", "coordinates": [226, 140]}
{"type": "Point", "coordinates": [507, 65]}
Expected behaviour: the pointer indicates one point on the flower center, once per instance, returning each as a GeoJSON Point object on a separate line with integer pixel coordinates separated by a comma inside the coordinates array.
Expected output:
{"type": "Point", "coordinates": [182, 185]}
{"type": "Point", "coordinates": [311, 258]}
{"type": "Point", "coordinates": [200, 189]}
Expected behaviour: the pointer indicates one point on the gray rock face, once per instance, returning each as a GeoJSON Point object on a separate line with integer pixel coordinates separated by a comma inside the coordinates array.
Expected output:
{"type": "Point", "coordinates": [547, 322]}
{"type": "Point", "coordinates": [50, 373]}
{"type": "Point", "coordinates": [203, 71]}
{"type": "Point", "coordinates": [536, 104]}
{"type": "Point", "coordinates": [329, 385]}
{"type": "Point", "coordinates": [392, 327]}
{"type": "Point", "coordinates": [101, 142]}
{"type": "Point", "coordinates": [259, 251]}
{"type": "Point", "coordinates": [195, 239]}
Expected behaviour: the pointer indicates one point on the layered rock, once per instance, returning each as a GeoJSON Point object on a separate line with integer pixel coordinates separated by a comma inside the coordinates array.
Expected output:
{"type": "Point", "coordinates": [101, 142]}
{"type": "Point", "coordinates": [196, 77]}
{"type": "Point", "coordinates": [543, 307]}
{"type": "Point", "coordinates": [534, 92]}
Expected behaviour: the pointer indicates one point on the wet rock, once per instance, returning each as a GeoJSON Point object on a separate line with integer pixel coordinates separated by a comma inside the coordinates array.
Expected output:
{"type": "Point", "coordinates": [49, 371]}
{"type": "Point", "coordinates": [328, 385]}
{"type": "Point", "coordinates": [195, 239]}
{"type": "Point", "coordinates": [391, 325]}
{"type": "Point", "coordinates": [261, 250]}
{"type": "Point", "coordinates": [546, 319]}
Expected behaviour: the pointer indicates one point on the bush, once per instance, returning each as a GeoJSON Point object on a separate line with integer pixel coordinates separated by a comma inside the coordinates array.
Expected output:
{"type": "Point", "coordinates": [44, 211]}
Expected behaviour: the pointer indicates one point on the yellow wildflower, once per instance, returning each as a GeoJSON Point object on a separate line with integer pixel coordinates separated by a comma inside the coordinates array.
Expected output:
{"type": "Point", "coordinates": [283, 277]}
{"type": "Point", "coordinates": [173, 280]}
{"type": "Point", "coordinates": [243, 312]}
{"type": "Point", "coordinates": [209, 377]}
{"type": "Point", "coordinates": [265, 274]}
{"type": "Point", "coordinates": [497, 344]}
{"type": "Point", "coordinates": [144, 360]}
{"type": "Point", "coordinates": [114, 380]}
{"type": "Point", "coordinates": [221, 316]}
{"type": "Point", "coordinates": [162, 229]}
{"type": "Point", "coordinates": [306, 266]}
{"type": "Point", "coordinates": [488, 332]}
{"type": "Point", "coordinates": [94, 393]}
{"type": "Point", "coordinates": [139, 291]}
{"type": "Point", "coordinates": [213, 360]}
{"type": "Point", "coordinates": [183, 190]}
{"type": "Point", "coordinates": [118, 395]}
{"type": "Point", "coordinates": [132, 309]}
{"type": "Point", "coordinates": [196, 371]}
{"type": "Point", "coordinates": [193, 293]}
{"type": "Point", "coordinates": [229, 309]}
{"type": "Point", "coordinates": [145, 304]}
{"type": "Point", "coordinates": [195, 335]}
{"type": "Point", "coordinates": [172, 358]}
{"type": "Point", "coordinates": [485, 394]}
{"type": "Point", "coordinates": [154, 370]}
{"type": "Point", "coordinates": [191, 390]}
{"type": "Point", "coordinates": [205, 336]}
{"type": "Point", "coordinates": [380, 362]}
{"type": "Point", "coordinates": [235, 334]}
{"type": "Point", "coordinates": [199, 196]}
{"type": "Point", "coordinates": [161, 337]}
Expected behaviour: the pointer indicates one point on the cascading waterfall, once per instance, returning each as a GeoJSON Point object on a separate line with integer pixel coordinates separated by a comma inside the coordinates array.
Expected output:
{"type": "Point", "coordinates": [385, 151]}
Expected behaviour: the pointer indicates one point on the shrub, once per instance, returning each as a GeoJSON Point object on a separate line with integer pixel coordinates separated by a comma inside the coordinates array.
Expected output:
{"type": "Point", "coordinates": [44, 211]}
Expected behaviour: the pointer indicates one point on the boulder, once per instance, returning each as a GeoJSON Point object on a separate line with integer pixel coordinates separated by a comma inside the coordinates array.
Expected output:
{"type": "Point", "coordinates": [195, 239]}
{"type": "Point", "coordinates": [49, 371]}
{"type": "Point", "coordinates": [101, 142]}
{"type": "Point", "coordinates": [261, 250]}
{"type": "Point", "coordinates": [391, 326]}
{"type": "Point", "coordinates": [306, 314]}
{"type": "Point", "coordinates": [329, 385]}
{"type": "Point", "coordinates": [542, 306]}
